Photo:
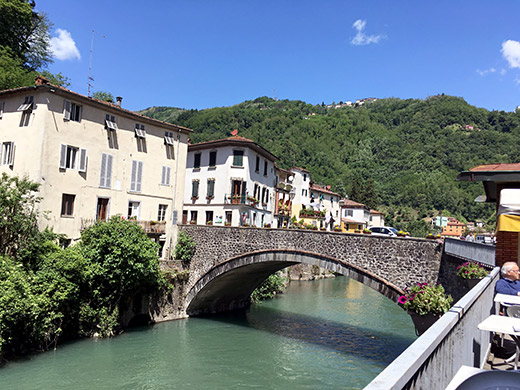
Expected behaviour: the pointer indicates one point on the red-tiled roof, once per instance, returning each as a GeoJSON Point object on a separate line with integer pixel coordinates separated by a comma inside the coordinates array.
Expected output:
{"type": "Point", "coordinates": [346, 220]}
{"type": "Point", "coordinates": [300, 169]}
{"type": "Point", "coordinates": [351, 203]}
{"type": "Point", "coordinates": [375, 212]}
{"type": "Point", "coordinates": [54, 88]}
{"type": "Point", "coordinates": [318, 188]}
{"type": "Point", "coordinates": [233, 141]}
{"type": "Point", "coordinates": [496, 167]}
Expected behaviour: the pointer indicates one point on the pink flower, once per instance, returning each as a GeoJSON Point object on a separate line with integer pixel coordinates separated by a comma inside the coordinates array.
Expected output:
{"type": "Point", "coordinates": [402, 299]}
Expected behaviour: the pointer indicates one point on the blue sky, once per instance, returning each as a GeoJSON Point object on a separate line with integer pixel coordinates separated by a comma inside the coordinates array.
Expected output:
{"type": "Point", "coordinates": [203, 54]}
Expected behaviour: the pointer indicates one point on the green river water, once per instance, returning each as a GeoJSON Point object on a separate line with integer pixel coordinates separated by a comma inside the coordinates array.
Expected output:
{"type": "Point", "coordinates": [327, 334]}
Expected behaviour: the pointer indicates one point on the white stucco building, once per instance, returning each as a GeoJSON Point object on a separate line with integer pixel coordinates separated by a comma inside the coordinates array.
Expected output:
{"type": "Point", "coordinates": [93, 160]}
{"type": "Point", "coordinates": [229, 182]}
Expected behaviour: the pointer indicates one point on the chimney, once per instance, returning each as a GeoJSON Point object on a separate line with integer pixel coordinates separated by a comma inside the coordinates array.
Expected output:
{"type": "Point", "coordinates": [40, 80]}
{"type": "Point", "coordinates": [119, 99]}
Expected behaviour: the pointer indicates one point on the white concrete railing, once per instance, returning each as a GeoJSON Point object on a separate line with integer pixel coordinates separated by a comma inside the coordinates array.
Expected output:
{"type": "Point", "coordinates": [454, 340]}
{"type": "Point", "coordinates": [482, 253]}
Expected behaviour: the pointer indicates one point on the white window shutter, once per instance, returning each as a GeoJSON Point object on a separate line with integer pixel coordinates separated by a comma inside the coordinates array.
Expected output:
{"type": "Point", "coordinates": [108, 174]}
{"type": "Point", "coordinates": [66, 110]}
{"type": "Point", "coordinates": [168, 170]}
{"type": "Point", "coordinates": [1, 109]}
{"type": "Point", "coordinates": [82, 160]}
{"type": "Point", "coordinates": [1, 150]}
{"type": "Point", "coordinates": [163, 175]}
{"type": "Point", "coordinates": [10, 159]}
{"type": "Point", "coordinates": [139, 176]}
{"type": "Point", "coordinates": [102, 170]}
{"type": "Point", "coordinates": [133, 176]}
{"type": "Point", "coordinates": [63, 156]}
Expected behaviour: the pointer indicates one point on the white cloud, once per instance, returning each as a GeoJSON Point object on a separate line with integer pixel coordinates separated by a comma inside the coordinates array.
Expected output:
{"type": "Point", "coordinates": [361, 38]}
{"type": "Point", "coordinates": [63, 46]}
{"type": "Point", "coordinates": [511, 52]}
{"type": "Point", "coordinates": [484, 72]}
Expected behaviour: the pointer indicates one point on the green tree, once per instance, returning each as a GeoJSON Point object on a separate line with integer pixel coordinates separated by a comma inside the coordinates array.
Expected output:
{"type": "Point", "coordinates": [185, 247]}
{"type": "Point", "coordinates": [104, 96]}
{"type": "Point", "coordinates": [121, 262]}
{"type": "Point", "coordinates": [18, 215]}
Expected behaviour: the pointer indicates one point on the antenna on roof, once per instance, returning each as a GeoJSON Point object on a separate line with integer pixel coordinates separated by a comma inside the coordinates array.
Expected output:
{"type": "Point", "coordinates": [90, 78]}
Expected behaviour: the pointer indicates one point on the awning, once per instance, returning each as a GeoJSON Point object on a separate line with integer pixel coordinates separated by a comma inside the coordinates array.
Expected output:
{"type": "Point", "coordinates": [509, 210]}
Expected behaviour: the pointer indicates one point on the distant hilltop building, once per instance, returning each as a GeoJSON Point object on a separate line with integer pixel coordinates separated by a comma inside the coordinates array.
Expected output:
{"type": "Point", "coordinates": [348, 103]}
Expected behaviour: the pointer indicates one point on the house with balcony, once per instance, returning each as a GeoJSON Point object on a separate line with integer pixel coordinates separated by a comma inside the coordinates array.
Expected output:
{"type": "Point", "coordinates": [285, 192]}
{"type": "Point", "coordinates": [454, 228]}
{"type": "Point", "coordinates": [229, 182]}
{"type": "Point", "coordinates": [93, 160]}
{"type": "Point", "coordinates": [354, 216]}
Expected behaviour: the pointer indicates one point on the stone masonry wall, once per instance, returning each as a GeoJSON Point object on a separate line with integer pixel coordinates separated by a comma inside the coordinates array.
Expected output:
{"type": "Point", "coordinates": [400, 261]}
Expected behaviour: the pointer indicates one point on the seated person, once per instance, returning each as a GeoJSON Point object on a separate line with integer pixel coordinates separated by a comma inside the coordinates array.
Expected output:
{"type": "Point", "coordinates": [510, 283]}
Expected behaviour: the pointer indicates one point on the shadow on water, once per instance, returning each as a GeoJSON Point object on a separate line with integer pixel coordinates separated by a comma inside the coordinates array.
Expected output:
{"type": "Point", "coordinates": [341, 337]}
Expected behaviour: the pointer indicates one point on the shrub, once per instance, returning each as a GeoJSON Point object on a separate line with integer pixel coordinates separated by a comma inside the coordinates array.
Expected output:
{"type": "Point", "coordinates": [185, 247]}
{"type": "Point", "coordinates": [273, 285]}
{"type": "Point", "coordinates": [471, 270]}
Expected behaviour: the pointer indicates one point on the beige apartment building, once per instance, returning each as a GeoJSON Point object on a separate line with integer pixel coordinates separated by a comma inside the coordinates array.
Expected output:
{"type": "Point", "coordinates": [93, 160]}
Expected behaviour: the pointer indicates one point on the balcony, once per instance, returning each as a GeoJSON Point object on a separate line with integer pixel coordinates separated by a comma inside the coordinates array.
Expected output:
{"type": "Point", "coordinates": [246, 200]}
{"type": "Point", "coordinates": [150, 227]}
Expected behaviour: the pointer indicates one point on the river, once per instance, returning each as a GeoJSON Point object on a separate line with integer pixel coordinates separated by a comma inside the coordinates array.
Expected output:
{"type": "Point", "coordinates": [327, 334]}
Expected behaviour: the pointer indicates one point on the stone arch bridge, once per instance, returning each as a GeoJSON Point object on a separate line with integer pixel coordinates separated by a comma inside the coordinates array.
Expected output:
{"type": "Point", "coordinates": [229, 263]}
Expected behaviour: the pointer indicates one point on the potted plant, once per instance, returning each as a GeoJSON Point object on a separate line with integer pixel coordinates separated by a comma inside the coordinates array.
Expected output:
{"type": "Point", "coordinates": [193, 222]}
{"type": "Point", "coordinates": [367, 231]}
{"type": "Point", "coordinates": [471, 272]}
{"type": "Point", "coordinates": [425, 303]}
{"type": "Point", "coordinates": [337, 228]}
{"type": "Point", "coordinates": [227, 223]}
{"type": "Point", "coordinates": [209, 223]}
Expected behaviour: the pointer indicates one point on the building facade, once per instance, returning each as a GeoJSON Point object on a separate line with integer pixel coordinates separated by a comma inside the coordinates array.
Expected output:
{"type": "Point", "coordinates": [93, 160]}
{"type": "Point", "coordinates": [229, 182]}
{"type": "Point", "coordinates": [354, 216]}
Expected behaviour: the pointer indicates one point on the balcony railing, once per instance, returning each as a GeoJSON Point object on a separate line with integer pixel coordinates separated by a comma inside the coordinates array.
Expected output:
{"type": "Point", "coordinates": [150, 227]}
{"type": "Point", "coordinates": [244, 200]}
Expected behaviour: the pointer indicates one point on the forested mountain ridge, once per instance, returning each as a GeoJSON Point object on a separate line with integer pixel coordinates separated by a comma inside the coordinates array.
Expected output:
{"type": "Point", "coordinates": [399, 156]}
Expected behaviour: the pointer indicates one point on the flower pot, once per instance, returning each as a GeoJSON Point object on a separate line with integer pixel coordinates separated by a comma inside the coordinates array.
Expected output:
{"type": "Point", "coordinates": [470, 283]}
{"type": "Point", "coordinates": [422, 323]}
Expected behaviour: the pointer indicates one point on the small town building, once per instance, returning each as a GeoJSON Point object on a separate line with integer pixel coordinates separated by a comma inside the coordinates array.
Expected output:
{"type": "Point", "coordinates": [376, 218]}
{"type": "Point", "coordinates": [354, 216]}
{"type": "Point", "coordinates": [93, 160]}
{"type": "Point", "coordinates": [453, 229]}
{"type": "Point", "coordinates": [285, 191]}
{"type": "Point", "coordinates": [229, 182]}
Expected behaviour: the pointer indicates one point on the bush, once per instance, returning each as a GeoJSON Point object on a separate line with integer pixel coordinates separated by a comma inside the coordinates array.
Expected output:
{"type": "Point", "coordinates": [185, 247]}
{"type": "Point", "coordinates": [424, 298]}
{"type": "Point", "coordinates": [273, 285]}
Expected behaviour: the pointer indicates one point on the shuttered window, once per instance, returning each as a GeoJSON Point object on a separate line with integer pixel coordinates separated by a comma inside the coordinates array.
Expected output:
{"type": "Point", "coordinates": [72, 157]}
{"type": "Point", "coordinates": [211, 188]}
{"type": "Point", "coordinates": [110, 122]}
{"type": "Point", "coordinates": [7, 153]}
{"type": "Point", "coordinates": [137, 176]}
{"type": "Point", "coordinates": [165, 176]}
{"type": "Point", "coordinates": [105, 175]}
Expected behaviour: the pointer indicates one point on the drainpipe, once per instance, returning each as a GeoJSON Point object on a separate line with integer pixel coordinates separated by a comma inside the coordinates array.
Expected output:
{"type": "Point", "coordinates": [173, 237]}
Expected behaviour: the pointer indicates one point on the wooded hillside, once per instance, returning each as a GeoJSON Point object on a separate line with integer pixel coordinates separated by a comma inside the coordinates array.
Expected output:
{"type": "Point", "coordinates": [398, 156]}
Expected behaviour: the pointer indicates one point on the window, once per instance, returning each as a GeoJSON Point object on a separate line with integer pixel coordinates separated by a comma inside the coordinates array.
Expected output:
{"type": "Point", "coordinates": [209, 217]}
{"type": "Point", "coordinates": [7, 153]}
{"type": "Point", "coordinates": [168, 141]}
{"type": "Point", "coordinates": [165, 176]}
{"type": "Point", "coordinates": [265, 168]}
{"type": "Point", "coordinates": [212, 159]}
{"type": "Point", "coordinates": [304, 177]}
{"type": "Point", "coordinates": [238, 158]}
{"type": "Point", "coordinates": [266, 196]}
{"type": "Point", "coordinates": [193, 217]}
{"type": "Point", "coordinates": [73, 158]}
{"type": "Point", "coordinates": [161, 212]}
{"type": "Point", "coordinates": [349, 213]}
{"type": "Point", "coordinates": [195, 189]}
{"type": "Point", "coordinates": [102, 209]}
{"type": "Point", "coordinates": [229, 217]}
{"type": "Point", "coordinates": [110, 122]}
{"type": "Point", "coordinates": [211, 188]}
{"type": "Point", "coordinates": [105, 171]}
{"type": "Point", "coordinates": [256, 191]}
{"type": "Point", "coordinates": [257, 164]}
{"type": "Point", "coordinates": [71, 111]}
{"type": "Point", "coordinates": [263, 194]}
{"type": "Point", "coordinates": [26, 108]}
{"type": "Point", "coordinates": [140, 132]}
{"type": "Point", "coordinates": [67, 205]}
{"type": "Point", "coordinates": [27, 104]}
{"type": "Point", "coordinates": [196, 160]}
{"type": "Point", "coordinates": [133, 210]}
{"type": "Point", "coordinates": [137, 176]}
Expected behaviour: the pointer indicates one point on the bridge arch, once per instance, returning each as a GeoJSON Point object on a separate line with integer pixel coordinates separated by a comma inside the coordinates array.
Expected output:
{"type": "Point", "coordinates": [228, 285]}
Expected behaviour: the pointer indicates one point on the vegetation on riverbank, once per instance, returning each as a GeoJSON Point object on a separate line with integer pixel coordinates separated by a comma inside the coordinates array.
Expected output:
{"type": "Point", "coordinates": [274, 284]}
{"type": "Point", "coordinates": [48, 293]}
